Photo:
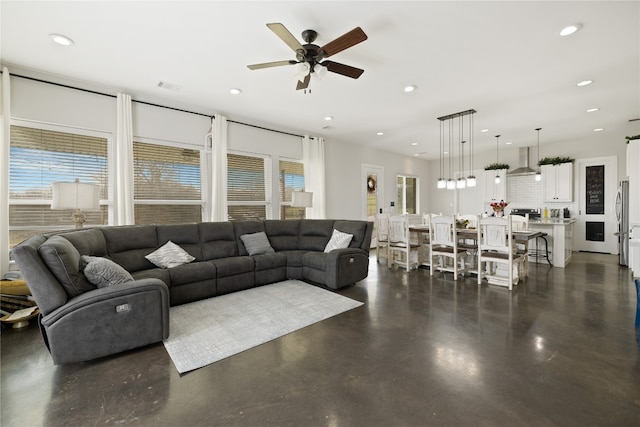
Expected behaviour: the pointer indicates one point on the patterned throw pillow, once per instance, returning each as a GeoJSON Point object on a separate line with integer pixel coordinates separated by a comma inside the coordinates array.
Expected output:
{"type": "Point", "coordinates": [257, 243]}
{"type": "Point", "coordinates": [169, 255]}
{"type": "Point", "coordinates": [339, 240]}
{"type": "Point", "coordinates": [103, 272]}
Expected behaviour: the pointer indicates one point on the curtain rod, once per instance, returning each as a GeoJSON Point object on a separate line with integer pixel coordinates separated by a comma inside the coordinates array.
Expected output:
{"type": "Point", "coordinates": [263, 128]}
{"type": "Point", "coordinates": [147, 103]}
{"type": "Point", "coordinates": [108, 94]}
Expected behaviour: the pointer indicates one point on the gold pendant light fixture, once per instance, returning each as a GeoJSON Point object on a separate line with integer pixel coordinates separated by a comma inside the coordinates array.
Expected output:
{"type": "Point", "coordinates": [461, 181]}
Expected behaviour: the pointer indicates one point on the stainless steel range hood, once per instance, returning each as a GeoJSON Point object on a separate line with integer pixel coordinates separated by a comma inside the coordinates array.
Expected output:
{"type": "Point", "coordinates": [523, 169]}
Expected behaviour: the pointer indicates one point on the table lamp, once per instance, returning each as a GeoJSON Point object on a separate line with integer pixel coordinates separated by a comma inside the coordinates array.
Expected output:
{"type": "Point", "coordinates": [75, 195]}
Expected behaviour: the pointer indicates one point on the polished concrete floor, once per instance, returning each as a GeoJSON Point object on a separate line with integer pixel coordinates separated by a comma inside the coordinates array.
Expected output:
{"type": "Point", "coordinates": [557, 351]}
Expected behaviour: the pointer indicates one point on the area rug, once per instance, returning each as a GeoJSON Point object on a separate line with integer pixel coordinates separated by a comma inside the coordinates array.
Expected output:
{"type": "Point", "coordinates": [206, 331]}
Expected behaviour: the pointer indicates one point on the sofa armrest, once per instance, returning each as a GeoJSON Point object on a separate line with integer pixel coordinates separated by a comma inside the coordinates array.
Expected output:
{"type": "Point", "coordinates": [108, 320]}
{"type": "Point", "coordinates": [346, 267]}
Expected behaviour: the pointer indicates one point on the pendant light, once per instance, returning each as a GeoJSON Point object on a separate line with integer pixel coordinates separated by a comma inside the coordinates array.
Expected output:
{"type": "Point", "coordinates": [461, 182]}
{"type": "Point", "coordinates": [538, 173]}
{"type": "Point", "coordinates": [497, 179]}
{"type": "Point", "coordinates": [442, 183]}
{"type": "Point", "coordinates": [471, 179]}
{"type": "Point", "coordinates": [451, 183]}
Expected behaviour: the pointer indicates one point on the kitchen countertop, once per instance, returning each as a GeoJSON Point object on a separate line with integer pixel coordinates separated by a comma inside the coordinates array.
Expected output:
{"type": "Point", "coordinates": [552, 221]}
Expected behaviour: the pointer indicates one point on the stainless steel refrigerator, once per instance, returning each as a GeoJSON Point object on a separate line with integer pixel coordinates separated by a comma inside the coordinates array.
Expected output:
{"type": "Point", "coordinates": [622, 214]}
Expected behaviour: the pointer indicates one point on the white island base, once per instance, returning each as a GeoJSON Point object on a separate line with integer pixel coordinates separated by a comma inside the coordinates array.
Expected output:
{"type": "Point", "coordinates": [559, 238]}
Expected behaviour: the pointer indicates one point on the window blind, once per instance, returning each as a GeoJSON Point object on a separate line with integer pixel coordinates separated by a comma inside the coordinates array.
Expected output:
{"type": "Point", "coordinates": [291, 178]}
{"type": "Point", "coordinates": [39, 157]}
{"type": "Point", "coordinates": [246, 187]}
{"type": "Point", "coordinates": [167, 187]}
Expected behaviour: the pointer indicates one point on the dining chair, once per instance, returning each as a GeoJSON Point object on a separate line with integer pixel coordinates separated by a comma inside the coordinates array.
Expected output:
{"type": "Point", "coordinates": [444, 246]}
{"type": "Point", "coordinates": [382, 236]}
{"type": "Point", "coordinates": [497, 257]}
{"type": "Point", "coordinates": [402, 251]}
{"type": "Point", "coordinates": [521, 223]}
{"type": "Point", "coordinates": [471, 245]}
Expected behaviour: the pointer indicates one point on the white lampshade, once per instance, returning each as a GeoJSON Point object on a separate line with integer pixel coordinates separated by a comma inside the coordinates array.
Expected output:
{"type": "Point", "coordinates": [302, 199]}
{"type": "Point", "coordinates": [75, 195]}
{"type": "Point", "coordinates": [471, 181]}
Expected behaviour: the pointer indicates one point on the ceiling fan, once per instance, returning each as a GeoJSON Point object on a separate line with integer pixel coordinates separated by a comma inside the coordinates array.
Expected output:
{"type": "Point", "coordinates": [310, 57]}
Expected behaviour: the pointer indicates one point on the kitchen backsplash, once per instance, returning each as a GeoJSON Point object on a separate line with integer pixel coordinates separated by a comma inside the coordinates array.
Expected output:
{"type": "Point", "coordinates": [525, 192]}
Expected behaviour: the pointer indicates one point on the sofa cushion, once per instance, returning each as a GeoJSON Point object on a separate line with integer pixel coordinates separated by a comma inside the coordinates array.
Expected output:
{"type": "Point", "coordinates": [169, 255]}
{"type": "Point", "coordinates": [88, 242]}
{"type": "Point", "coordinates": [256, 243]}
{"type": "Point", "coordinates": [339, 240]}
{"type": "Point", "coordinates": [103, 272]}
{"type": "Point", "coordinates": [283, 233]}
{"type": "Point", "coordinates": [187, 236]}
{"type": "Point", "coordinates": [128, 245]}
{"type": "Point", "coordinates": [154, 273]}
{"type": "Point", "coordinates": [217, 240]}
{"type": "Point", "coordinates": [269, 261]}
{"type": "Point", "coordinates": [234, 265]}
{"type": "Point", "coordinates": [63, 259]}
{"type": "Point", "coordinates": [314, 234]}
{"type": "Point", "coordinates": [193, 272]}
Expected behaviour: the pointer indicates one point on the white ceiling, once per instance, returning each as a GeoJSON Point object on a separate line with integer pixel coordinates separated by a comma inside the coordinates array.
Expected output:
{"type": "Point", "coordinates": [503, 58]}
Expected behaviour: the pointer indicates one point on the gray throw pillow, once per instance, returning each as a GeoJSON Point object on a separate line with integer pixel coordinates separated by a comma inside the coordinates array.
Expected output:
{"type": "Point", "coordinates": [103, 272]}
{"type": "Point", "coordinates": [257, 243]}
{"type": "Point", "coordinates": [169, 255]}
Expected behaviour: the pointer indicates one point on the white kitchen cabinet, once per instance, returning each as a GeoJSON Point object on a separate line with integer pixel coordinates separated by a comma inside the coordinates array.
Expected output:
{"type": "Point", "coordinates": [557, 182]}
{"type": "Point", "coordinates": [495, 192]}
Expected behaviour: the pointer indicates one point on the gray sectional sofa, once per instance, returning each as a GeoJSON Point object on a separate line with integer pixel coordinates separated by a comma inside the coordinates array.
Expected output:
{"type": "Point", "coordinates": [80, 321]}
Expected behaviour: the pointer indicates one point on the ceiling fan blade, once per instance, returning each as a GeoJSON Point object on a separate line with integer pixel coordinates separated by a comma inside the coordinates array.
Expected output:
{"type": "Point", "coordinates": [305, 83]}
{"type": "Point", "coordinates": [345, 41]}
{"type": "Point", "coordinates": [270, 64]}
{"type": "Point", "coordinates": [345, 70]}
{"type": "Point", "coordinates": [284, 34]}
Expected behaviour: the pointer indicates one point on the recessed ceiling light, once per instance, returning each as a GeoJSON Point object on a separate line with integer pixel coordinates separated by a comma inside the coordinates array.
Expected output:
{"type": "Point", "coordinates": [585, 83]}
{"type": "Point", "coordinates": [235, 91]}
{"type": "Point", "coordinates": [570, 29]}
{"type": "Point", "coordinates": [416, 155]}
{"type": "Point", "coordinates": [598, 129]}
{"type": "Point", "coordinates": [484, 130]}
{"type": "Point", "coordinates": [446, 152]}
{"type": "Point", "coordinates": [380, 133]}
{"type": "Point", "coordinates": [508, 143]}
{"type": "Point", "coordinates": [591, 110]}
{"type": "Point", "coordinates": [414, 143]}
{"type": "Point", "coordinates": [410, 88]}
{"type": "Point", "coordinates": [61, 39]}
{"type": "Point", "coordinates": [328, 118]}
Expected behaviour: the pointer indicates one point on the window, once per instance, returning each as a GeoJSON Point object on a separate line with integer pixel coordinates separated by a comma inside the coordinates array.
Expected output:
{"type": "Point", "coordinates": [39, 157]}
{"type": "Point", "coordinates": [407, 194]}
{"type": "Point", "coordinates": [166, 184]}
{"type": "Point", "coordinates": [291, 178]}
{"type": "Point", "coordinates": [248, 188]}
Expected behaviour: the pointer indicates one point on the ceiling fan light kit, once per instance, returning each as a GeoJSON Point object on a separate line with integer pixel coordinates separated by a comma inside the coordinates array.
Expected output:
{"type": "Point", "coordinates": [311, 58]}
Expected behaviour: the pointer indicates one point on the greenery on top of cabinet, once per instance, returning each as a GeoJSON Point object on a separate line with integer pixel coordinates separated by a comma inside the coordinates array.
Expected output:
{"type": "Point", "coordinates": [629, 138]}
{"type": "Point", "coordinates": [554, 160]}
{"type": "Point", "coordinates": [496, 166]}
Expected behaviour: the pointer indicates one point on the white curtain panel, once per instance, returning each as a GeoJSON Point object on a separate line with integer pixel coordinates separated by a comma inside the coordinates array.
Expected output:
{"type": "Point", "coordinates": [219, 211]}
{"type": "Point", "coordinates": [5, 116]}
{"type": "Point", "coordinates": [313, 159]}
{"type": "Point", "coordinates": [124, 162]}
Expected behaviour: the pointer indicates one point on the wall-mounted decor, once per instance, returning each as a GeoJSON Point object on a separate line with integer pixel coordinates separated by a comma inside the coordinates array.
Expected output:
{"type": "Point", "coordinates": [594, 197]}
{"type": "Point", "coordinates": [372, 185]}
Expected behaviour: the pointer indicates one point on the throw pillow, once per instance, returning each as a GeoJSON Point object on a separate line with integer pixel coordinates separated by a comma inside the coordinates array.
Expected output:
{"type": "Point", "coordinates": [339, 240]}
{"type": "Point", "coordinates": [103, 272]}
{"type": "Point", "coordinates": [257, 243]}
{"type": "Point", "coordinates": [169, 255]}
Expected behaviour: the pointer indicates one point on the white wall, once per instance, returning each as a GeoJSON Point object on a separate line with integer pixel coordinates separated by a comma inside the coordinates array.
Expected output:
{"type": "Point", "coordinates": [344, 181]}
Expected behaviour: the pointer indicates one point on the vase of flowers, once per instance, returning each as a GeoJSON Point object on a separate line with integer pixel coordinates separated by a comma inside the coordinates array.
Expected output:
{"type": "Point", "coordinates": [498, 207]}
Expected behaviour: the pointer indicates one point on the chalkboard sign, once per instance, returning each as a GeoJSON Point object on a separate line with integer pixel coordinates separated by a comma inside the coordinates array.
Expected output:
{"type": "Point", "coordinates": [595, 190]}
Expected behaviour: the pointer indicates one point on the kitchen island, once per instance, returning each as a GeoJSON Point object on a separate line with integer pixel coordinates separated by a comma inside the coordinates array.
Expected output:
{"type": "Point", "coordinates": [559, 237]}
